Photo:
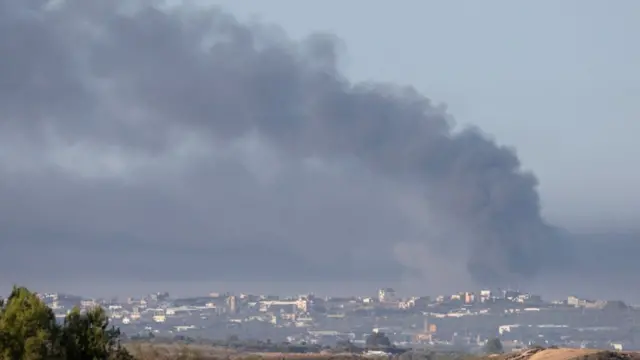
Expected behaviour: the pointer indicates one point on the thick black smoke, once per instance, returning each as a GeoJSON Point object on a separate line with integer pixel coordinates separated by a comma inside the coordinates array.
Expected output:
{"type": "Point", "coordinates": [107, 74]}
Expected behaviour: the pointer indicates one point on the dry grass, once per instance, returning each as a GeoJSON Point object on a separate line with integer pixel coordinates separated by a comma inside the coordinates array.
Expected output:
{"type": "Point", "coordinates": [149, 351]}
{"type": "Point", "coordinates": [562, 354]}
{"type": "Point", "coordinates": [323, 356]}
{"type": "Point", "coordinates": [570, 354]}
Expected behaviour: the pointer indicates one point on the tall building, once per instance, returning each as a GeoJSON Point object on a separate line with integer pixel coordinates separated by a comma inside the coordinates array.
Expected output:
{"type": "Point", "coordinates": [469, 298]}
{"type": "Point", "coordinates": [232, 304]}
{"type": "Point", "coordinates": [485, 295]}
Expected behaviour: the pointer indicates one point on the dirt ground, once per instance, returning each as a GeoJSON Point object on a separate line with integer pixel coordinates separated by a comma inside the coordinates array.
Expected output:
{"type": "Point", "coordinates": [570, 354]}
{"type": "Point", "coordinates": [146, 351]}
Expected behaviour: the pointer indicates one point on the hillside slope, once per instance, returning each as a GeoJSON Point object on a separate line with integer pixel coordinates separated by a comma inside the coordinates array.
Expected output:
{"type": "Point", "coordinates": [569, 354]}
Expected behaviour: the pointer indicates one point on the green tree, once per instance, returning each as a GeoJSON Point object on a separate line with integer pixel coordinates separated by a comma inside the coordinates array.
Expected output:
{"type": "Point", "coordinates": [493, 346]}
{"type": "Point", "coordinates": [233, 339]}
{"type": "Point", "coordinates": [378, 340]}
{"type": "Point", "coordinates": [88, 336]}
{"type": "Point", "coordinates": [417, 355]}
{"type": "Point", "coordinates": [346, 346]}
{"type": "Point", "coordinates": [28, 329]}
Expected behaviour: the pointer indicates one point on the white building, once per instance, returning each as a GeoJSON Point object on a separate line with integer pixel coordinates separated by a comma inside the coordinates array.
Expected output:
{"type": "Point", "coordinates": [387, 295]}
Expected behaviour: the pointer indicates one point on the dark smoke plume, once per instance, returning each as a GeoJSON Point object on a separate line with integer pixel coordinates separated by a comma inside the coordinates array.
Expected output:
{"type": "Point", "coordinates": [108, 73]}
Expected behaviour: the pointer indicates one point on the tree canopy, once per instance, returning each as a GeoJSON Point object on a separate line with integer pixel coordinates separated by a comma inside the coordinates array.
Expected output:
{"type": "Point", "coordinates": [29, 331]}
{"type": "Point", "coordinates": [378, 340]}
{"type": "Point", "coordinates": [493, 346]}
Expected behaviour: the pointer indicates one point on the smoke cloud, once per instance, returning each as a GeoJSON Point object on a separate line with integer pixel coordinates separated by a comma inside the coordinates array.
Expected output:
{"type": "Point", "coordinates": [150, 135]}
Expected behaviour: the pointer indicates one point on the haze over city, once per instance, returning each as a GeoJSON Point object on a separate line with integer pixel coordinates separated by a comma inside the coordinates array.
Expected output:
{"type": "Point", "coordinates": [327, 146]}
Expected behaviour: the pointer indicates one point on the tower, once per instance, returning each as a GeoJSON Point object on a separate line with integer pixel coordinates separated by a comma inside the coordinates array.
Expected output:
{"type": "Point", "coordinates": [232, 304]}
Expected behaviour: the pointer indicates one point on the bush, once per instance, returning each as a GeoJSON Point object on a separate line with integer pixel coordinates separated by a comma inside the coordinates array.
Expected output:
{"type": "Point", "coordinates": [493, 346]}
{"type": "Point", "coordinates": [28, 330]}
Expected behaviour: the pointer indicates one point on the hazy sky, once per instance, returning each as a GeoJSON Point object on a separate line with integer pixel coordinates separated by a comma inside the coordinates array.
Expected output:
{"type": "Point", "coordinates": [270, 141]}
{"type": "Point", "coordinates": [559, 80]}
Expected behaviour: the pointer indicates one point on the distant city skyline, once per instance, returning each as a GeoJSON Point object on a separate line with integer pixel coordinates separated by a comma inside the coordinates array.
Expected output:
{"type": "Point", "coordinates": [462, 321]}
{"type": "Point", "coordinates": [331, 289]}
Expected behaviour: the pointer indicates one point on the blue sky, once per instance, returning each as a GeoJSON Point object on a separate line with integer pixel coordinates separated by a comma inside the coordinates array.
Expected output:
{"type": "Point", "coordinates": [559, 80]}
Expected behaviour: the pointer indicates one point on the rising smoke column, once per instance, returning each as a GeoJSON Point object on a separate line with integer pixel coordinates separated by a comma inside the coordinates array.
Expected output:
{"type": "Point", "coordinates": [191, 68]}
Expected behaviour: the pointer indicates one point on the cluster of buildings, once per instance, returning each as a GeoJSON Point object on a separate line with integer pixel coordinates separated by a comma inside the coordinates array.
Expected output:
{"type": "Point", "coordinates": [461, 321]}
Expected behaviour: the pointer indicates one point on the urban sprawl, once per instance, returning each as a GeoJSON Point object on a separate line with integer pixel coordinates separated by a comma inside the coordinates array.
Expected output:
{"type": "Point", "coordinates": [463, 321]}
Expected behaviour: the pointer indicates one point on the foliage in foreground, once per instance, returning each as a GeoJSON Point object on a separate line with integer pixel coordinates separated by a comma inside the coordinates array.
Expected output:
{"type": "Point", "coordinates": [29, 331]}
{"type": "Point", "coordinates": [493, 346]}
